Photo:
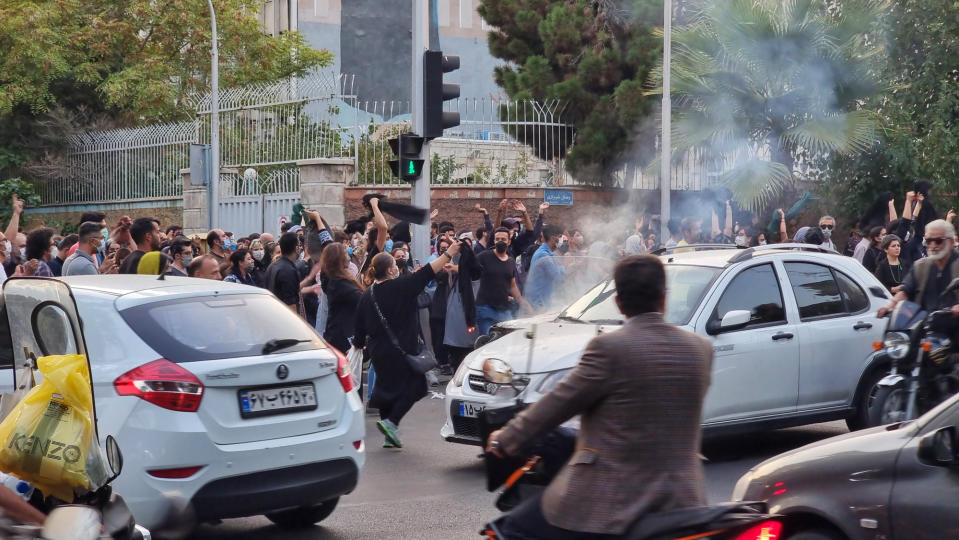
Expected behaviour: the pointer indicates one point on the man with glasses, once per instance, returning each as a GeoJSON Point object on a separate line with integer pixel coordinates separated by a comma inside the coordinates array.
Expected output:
{"type": "Point", "coordinates": [827, 224]}
{"type": "Point", "coordinates": [931, 275]}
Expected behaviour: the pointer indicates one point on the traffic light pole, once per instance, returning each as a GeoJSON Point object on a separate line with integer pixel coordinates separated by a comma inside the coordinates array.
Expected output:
{"type": "Point", "coordinates": [420, 189]}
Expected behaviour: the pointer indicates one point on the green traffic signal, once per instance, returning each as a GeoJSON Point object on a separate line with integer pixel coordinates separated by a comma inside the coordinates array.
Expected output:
{"type": "Point", "coordinates": [412, 169]}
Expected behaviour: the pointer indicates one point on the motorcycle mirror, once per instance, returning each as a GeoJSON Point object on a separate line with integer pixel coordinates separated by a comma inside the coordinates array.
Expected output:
{"type": "Point", "coordinates": [114, 456]}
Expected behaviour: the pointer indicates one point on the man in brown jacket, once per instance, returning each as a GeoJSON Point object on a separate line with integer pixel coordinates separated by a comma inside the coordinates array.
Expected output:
{"type": "Point", "coordinates": [639, 391]}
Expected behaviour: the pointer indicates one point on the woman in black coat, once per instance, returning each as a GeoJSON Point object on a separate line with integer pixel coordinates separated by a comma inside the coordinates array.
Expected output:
{"type": "Point", "coordinates": [343, 294]}
{"type": "Point", "coordinates": [892, 267]}
{"type": "Point", "coordinates": [397, 386]}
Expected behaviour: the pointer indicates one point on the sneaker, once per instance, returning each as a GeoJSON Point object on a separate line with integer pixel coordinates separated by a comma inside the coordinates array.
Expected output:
{"type": "Point", "coordinates": [446, 370]}
{"type": "Point", "coordinates": [388, 444]}
{"type": "Point", "coordinates": [431, 378]}
{"type": "Point", "coordinates": [389, 430]}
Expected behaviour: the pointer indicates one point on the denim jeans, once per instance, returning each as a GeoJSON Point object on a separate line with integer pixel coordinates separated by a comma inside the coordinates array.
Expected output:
{"type": "Point", "coordinates": [486, 317]}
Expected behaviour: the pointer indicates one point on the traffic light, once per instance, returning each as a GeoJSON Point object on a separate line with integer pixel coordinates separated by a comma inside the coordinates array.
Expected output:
{"type": "Point", "coordinates": [407, 166]}
{"type": "Point", "coordinates": [435, 92]}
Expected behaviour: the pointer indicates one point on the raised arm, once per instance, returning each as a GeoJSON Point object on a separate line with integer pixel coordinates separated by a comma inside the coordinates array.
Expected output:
{"type": "Point", "coordinates": [14, 225]}
{"type": "Point", "coordinates": [783, 238]}
{"type": "Point", "coordinates": [892, 209]}
{"type": "Point", "coordinates": [907, 206]}
{"type": "Point", "coordinates": [715, 225]}
{"type": "Point", "coordinates": [520, 207]}
{"type": "Point", "coordinates": [728, 230]}
{"type": "Point", "coordinates": [501, 212]}
{"type": "Point", "coordinates": [380, 223]}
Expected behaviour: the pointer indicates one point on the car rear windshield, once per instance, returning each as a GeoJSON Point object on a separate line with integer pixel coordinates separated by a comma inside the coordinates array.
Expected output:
{"type": "Point", "coordinates": [215, 327]}
{"type": "Point", "coordinates": [685, 287]}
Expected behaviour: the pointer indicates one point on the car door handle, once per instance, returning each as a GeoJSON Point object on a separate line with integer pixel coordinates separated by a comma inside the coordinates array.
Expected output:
{"type": "Point", "coordinates": [862, 326]}
{"type": "Point", "coordinates": [782, 335]}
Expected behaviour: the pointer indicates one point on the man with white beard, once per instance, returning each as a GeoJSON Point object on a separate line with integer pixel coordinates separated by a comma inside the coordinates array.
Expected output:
{"type": "Point", "coordinates": [931, 275]}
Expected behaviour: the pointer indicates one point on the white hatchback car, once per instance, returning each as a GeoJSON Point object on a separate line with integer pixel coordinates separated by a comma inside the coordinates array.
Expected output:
{"type": "Point", "coordinates": [792, 327]}
{"type": "Point", "coordinates": [220, 397]}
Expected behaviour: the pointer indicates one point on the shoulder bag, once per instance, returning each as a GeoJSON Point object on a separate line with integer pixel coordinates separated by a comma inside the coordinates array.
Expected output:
{"type": "Point", "coordinates": [421, 362]}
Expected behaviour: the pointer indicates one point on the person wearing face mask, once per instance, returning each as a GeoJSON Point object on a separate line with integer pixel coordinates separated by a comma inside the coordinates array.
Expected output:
{"type": "Point", "coordinates": [397, 386]}
{"type": "Point", "coordinates": [260, 261]}
{"type": "Point", "coordinates": [181, 252]}
{"type": "Point", "coordinates": [37, 253]}
{"type": "Point", "coordinates": [216, 242]}
{"type": "Point", "coordinates": [930, 276]}
{"type": "Point", "coordinates": [82, 262]}
{"type": "Point", "coordinates": [497, 284]}
{"type": "Point", "coordinates": [545, 271]}
{"type": "Point", "coordinates": [827, 224]}
{"type": "Point", "coordinates": [240, 263]}
{"type": "Point", "coordinates": [758, 239]}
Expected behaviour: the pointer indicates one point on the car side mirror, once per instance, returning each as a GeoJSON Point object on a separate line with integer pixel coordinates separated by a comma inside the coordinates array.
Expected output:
{"type": "Point", "coordinates": [939, 448]}
{"type": "Point", "coordinates": [732, 320]}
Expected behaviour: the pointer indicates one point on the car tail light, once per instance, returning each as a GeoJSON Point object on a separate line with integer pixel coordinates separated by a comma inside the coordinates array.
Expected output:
{"type": "Point", "coordinates": [182, 472]}
{"type": "Point", "coordinates": [343, 370]}
{"type": "Point", "coordinates": [164, 384]}
{"type": "Point", "coordinates": [767, 530]}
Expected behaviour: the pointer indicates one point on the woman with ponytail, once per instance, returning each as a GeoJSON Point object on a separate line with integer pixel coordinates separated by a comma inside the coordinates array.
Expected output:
{"type": "Point", "coordinates": [397, 386]}
{"type": "Point", "coordinates": [343, 294]}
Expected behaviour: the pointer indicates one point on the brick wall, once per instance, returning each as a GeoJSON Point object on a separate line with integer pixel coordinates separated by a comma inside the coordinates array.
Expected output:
{"type": "Point", "coordinates": [172, 215]}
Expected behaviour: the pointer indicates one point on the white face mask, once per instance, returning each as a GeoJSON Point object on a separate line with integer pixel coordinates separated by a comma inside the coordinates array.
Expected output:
{"type": "Point", "coordinates": [23, 252]}
{"type": "Point", "coordinates": [740, 240]}
{"type": "Point", "coordinates": [54, 252]}
{"type": "Point", "coordinates": [762, 242]}
{"type": "Point", "coordinates": [258, 254]}
{"type": "Point", "coordinates": [8, 246]}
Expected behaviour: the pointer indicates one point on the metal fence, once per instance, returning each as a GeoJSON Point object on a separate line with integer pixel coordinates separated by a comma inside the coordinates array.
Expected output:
{"type": "Point", "coordinates": [282, 123]}
{"type": "Point", "coordinates": [124, 164]}
{"type": "Point", "coordinates": [497, 143]}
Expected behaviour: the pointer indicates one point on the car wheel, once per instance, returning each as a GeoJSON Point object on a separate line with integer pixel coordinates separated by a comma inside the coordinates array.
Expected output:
{"type": "Point", "coordinates": [299, 518]}
{"type": "Point", "coordinates": [815, 534]}
{"type": "Point", "coordinates": [887, 404]}
{"type": "Point", "coordinates": [860, 418]}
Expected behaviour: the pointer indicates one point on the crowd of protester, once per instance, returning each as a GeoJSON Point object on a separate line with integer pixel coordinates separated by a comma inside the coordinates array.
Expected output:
{"type": "Point", "coordinates": [359, 286]}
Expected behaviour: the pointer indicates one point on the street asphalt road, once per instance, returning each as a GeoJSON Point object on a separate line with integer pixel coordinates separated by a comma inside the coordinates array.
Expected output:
{"type": "Point", "coordinates": [432, 489]}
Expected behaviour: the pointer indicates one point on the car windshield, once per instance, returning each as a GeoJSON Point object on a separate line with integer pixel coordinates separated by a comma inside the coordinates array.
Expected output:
{"type": "Point", "coordinates": [215, 327]}
{"type": "Point", "coordinates": [685, 287]}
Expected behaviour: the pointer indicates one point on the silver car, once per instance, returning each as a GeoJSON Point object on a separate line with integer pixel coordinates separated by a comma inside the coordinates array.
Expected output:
{"type": "Point", "coordinates": [792, 327]}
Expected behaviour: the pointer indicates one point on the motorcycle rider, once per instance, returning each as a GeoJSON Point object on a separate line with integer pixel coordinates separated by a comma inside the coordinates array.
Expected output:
{"type": "Point", "coordinates": [931, 275]}
{"type": "Point", "coordinates": [639, 392]}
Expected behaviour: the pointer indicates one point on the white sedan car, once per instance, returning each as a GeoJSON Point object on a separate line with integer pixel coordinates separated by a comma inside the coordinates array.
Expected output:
{"type": "Point", "coordinates": [224, 401]}
{"type": "Point", "coordinates": [792, 327]}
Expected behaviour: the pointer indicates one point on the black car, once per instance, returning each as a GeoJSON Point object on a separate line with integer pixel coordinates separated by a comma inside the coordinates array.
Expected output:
{"type": "Point", "coordinates": [899, 481]}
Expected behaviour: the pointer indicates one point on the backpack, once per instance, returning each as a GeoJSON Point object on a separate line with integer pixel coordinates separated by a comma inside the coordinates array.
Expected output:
{"type": "Point", "coordinates": [526, 259]}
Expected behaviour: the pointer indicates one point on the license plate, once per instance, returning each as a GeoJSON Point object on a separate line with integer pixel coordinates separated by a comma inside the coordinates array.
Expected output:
{"type": "Point", "coordinates": [277, 400]}
{"type": "Point", "coordinates": [471, 410]}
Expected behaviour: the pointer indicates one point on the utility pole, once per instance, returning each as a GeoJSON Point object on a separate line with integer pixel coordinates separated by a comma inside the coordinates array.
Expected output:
{"type": "Point", "coordinates": [421, 188]}
{"type": "Point", "coordinates": [666, 147]}
{"type": "Point", "coordinates": [214, 191]}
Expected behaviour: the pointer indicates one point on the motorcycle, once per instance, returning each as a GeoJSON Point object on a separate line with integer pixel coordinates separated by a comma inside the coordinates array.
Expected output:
{"type": "Point", "coordinates": [727, 521]}
{"type": "Point", "coordinates": [924, 359]}
{"type": "Point", "coordinates": [98, 515]}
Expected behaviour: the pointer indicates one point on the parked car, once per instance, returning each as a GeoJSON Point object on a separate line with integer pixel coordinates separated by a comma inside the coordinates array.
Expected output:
{"type": "Point", "coordinates": [892, 482]}
{"type": "Point", "coordinates": [792, 327]}
{"type": "Point", "coordinates": [220, 397]}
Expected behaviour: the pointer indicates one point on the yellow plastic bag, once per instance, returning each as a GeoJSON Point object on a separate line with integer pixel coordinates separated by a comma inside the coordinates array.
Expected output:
{"type": "Point", "coordinates": [48, 438]}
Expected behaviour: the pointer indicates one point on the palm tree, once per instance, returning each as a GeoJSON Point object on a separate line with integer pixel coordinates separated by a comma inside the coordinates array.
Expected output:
{"type": "Point", "coordinates": [764, 87]}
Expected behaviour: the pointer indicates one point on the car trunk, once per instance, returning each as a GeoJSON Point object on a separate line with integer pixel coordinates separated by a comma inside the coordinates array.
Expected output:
{"type": "Point", "coordinates": [245, 400]}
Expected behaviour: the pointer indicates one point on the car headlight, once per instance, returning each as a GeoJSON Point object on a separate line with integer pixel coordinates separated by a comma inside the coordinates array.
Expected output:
{"type": "Point", "coordinates": [497, 371]}
{"type": "Point", "coordinates": [742, 486]}
{"type": "Point", "coordinates": [896, 345]}
{"type": "Point", "coordinates": [552, 380]}
{"type": "Point", "coordinates": [460, 374]}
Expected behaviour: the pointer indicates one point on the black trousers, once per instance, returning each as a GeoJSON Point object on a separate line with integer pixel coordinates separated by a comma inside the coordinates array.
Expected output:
{"type": "Point", "coordinates": [437, 332]}
{"type": "Point", "coordinates": [457, 354]}
{"type": "Point", "coordinates": [395, 410]}
{"type": "Point", "coordinates": [527, 522]}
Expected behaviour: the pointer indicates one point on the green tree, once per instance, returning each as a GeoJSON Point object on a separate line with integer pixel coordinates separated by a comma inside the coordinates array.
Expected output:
{"type": "Point", "coordinates": [770, 87]}
{"type": "Point", "coordinates": [132, 61]}
{"type": "Point", "coordinates": [594, 56]}
{"type": "Point", "coordinates": [921, 139]}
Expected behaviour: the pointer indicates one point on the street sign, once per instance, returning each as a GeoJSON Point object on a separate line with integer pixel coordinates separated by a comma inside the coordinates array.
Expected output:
{"type": "Point", "coordinates": [558, 197]}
